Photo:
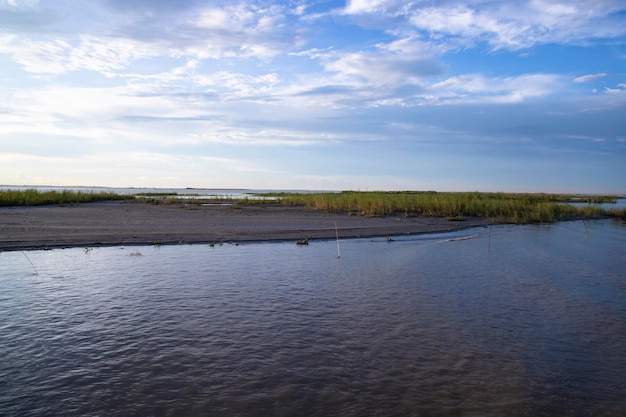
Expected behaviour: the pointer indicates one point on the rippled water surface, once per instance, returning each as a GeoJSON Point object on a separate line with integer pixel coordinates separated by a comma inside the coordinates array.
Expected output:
{"type": "Point", "coordinates": [526, 320]}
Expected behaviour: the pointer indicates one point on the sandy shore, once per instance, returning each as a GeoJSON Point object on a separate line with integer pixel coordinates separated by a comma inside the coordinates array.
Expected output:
{"type": "Point", "coordinates": [136, 223]}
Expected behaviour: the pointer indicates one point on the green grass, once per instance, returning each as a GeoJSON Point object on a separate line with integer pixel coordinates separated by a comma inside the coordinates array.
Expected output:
{"type": "Point", "coordinates": [499, 207]}
{"type": "Point", "coordinates": [33, 197]}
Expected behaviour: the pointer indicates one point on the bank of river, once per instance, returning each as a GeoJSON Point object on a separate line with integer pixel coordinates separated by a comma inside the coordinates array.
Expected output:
{"type": "Point", "coordinates": [136, 223]}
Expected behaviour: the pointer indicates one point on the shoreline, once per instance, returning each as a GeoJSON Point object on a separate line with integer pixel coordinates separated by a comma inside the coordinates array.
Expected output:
{"type": "Point", "coordinates": [131, 223]}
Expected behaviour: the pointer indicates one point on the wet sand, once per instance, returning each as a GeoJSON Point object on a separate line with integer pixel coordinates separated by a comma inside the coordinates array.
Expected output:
{"type": "Point", "coordinates": [139, 223]}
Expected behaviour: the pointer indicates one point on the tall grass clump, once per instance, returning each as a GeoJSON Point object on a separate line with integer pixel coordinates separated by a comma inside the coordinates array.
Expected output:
{"type": "Point", "coordinates": [500, 207]}
{"type": "Point", "coordinates": [618, 213]}
{"type": "Point", "coordinates": [33, 197]}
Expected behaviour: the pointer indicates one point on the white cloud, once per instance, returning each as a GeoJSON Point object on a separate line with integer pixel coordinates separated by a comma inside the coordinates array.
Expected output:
{"type": "Point", "coordinates": [512, 25]}
{"type": "Point", "coordinates": [469, 25]}
{"type": "Point", "coordinates": [261, 136]}
{"type": "Point", "coordinates": [239, 30]}
{"type": "Point", "coordinates": [233, 18]}
{"type": "Point", "coordinates": [18, 4]}
{"type": "Point", "coordinates": [231, 31]}
{"type": "Point", "coordinates": [42, 56]}
{"type": "Point", "coordinates": [79, 118]}
{"type": "Point", "coordinates": [299, 10]}
{"type": "Point", "coordinates": [141, 114]}
{"type": "Point", "coordinates": [187, 78]}
{"type": "Point", "coordinates": [58, 56]}
{"type": "Point", "coordinates": [589, 77]}
{"type": "Point", "coordinates": [369, 6]}
{"type": "Point", "coordinates": [383, 68]}
{"type": "Point", "coordinates": [404, 61]}
{"type": "Point", "coordinates": [405, 73]}
{"type": "Point", "coordinates": [242, 84]}
{"type": "Point", "coordinates": [105, 54]}
{"type": "Point", "coordinates": [476, 88]}
{"type": "Point", "coordinates": [620, 90]}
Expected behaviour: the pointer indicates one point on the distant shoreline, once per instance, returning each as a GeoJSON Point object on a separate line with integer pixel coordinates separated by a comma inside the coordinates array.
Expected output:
{"type": "Point", "coordinates": [120, 223]}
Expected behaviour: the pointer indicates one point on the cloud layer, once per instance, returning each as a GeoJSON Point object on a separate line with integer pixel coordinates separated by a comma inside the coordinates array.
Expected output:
{"type": "Point", "coordinates": [314, 94]}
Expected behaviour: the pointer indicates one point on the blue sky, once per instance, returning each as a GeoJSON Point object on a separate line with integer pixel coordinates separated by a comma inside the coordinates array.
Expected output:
{"type": "Point", "coordinates": [364, 95]}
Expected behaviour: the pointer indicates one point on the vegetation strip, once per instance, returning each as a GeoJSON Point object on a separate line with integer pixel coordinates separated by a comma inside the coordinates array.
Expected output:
{"type": "Point", "coordinates": [499, 207]}
{"type": "Point", "coordinates": [33, 197]}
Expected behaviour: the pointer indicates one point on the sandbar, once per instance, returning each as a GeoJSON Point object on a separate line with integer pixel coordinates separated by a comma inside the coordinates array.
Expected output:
{"type": "Point", "coordinates": [138, 223]}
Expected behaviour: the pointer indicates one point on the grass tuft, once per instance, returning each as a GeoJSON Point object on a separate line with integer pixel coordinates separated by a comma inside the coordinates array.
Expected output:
{"type": "Point", "coordinates": [33, 197]}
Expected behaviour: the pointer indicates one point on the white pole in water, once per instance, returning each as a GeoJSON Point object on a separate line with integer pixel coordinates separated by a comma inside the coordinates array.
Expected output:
{"type": "Point", "coordinates": [337, 234]}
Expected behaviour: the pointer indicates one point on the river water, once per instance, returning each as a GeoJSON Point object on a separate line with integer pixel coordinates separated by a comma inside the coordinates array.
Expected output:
{"type": "Point", "coordinates": [516, 321]}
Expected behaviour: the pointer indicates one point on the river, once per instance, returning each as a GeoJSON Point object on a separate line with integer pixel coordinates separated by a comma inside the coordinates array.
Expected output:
{"type": "Point", "coordinates": [507, 320]}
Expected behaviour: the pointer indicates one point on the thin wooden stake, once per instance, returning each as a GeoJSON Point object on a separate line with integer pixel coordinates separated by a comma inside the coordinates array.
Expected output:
{"type": "Point", "coordinates": [586, 230]}
{"type": "Point", "coordinates": [337, 234]}
{"type": "Point", "coordinates": [31, 262]}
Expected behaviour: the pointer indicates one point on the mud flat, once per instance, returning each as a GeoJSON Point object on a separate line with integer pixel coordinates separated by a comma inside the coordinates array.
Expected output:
{"type": "Point", "coordinates": [139, 223]}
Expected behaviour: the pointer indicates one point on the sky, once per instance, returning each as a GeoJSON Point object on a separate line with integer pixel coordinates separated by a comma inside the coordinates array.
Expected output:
{"type": "Point", "coordinates": [474, 95]}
